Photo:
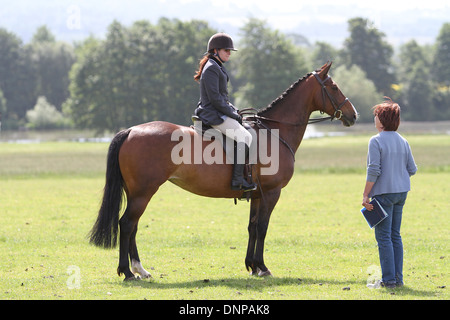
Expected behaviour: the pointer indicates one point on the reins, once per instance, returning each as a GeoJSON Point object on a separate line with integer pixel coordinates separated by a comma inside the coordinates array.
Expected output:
{"type": "Point", "coordinates": [253, 114]}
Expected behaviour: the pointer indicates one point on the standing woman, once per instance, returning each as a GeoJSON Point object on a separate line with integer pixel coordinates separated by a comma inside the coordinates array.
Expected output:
{"type": "Point", "coordinates": [216, 110]}
{"type": "Point", "coordinates": [390, 164]}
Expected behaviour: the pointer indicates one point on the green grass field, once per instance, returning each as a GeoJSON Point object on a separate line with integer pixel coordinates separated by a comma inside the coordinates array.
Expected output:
{"type": "Point", "coordinates": [318, 245]}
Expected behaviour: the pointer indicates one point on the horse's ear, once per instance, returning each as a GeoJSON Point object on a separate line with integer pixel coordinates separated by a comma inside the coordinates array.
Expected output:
{"type": "Point", "coordinates": [325, 68]}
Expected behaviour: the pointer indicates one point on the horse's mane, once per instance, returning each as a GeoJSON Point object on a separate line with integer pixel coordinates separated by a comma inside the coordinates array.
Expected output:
{"type": "Point", "coordinates": [277, 101]}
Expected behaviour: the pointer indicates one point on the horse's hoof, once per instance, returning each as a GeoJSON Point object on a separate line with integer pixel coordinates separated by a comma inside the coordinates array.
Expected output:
{"type": "Point", "coordinates": [254, 272]}
{"type": "Point", "coordinates": [138, 270]}
{"type": "Point", "coordinates": [133, 278]}
{"type": "Point", "coordinates": [266, 273]}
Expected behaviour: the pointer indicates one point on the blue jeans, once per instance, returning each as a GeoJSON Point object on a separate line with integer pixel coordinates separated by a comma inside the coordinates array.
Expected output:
{"type": "Point", "coordinates": [387, 234]}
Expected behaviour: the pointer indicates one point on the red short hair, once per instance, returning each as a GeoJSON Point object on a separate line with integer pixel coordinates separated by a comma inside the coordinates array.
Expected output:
{"type": "Point", "coordinates": [388, 113]}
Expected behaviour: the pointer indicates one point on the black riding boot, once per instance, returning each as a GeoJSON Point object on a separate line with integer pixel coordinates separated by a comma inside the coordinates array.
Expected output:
{"type": "Point", "coordinates": [237, 181]}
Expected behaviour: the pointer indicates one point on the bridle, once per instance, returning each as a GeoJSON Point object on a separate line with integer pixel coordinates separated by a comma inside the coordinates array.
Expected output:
{"type": "Point", "coordinates": [337, 113]}
{"type": "Point", "coordinates": [337, 108]}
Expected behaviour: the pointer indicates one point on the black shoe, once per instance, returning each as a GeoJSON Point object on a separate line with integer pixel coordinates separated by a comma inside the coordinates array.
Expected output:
{"type": "Point", "coordinates": [388, 285]}
{"type": "Point", "coordinates": [238, 182]}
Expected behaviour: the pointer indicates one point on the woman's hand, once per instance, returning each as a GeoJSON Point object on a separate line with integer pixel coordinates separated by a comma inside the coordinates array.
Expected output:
{"type": "Point", "coordinates": [366, 203]}
{"type": "Point", "coordinates": [366, 199]}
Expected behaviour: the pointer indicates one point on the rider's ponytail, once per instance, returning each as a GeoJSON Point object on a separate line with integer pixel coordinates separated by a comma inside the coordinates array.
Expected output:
{"type": "Point", "coordinates": [201, 65]}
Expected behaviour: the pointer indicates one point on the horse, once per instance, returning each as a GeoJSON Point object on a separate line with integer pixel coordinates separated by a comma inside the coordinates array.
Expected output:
{"type": "Point", "coordinates": [140, 160]}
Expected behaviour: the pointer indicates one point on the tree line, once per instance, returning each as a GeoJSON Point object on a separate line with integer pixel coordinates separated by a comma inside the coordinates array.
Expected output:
{"type": "Point", "coordinates": [144, 72]}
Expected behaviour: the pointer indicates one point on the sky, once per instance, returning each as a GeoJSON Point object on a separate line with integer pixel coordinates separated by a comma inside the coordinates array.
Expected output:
{"type": "Point", "coordinates": [324, 20]}
{"type": "Point", "coordinates": [286, 8]}
{"type": "Point", "coordinates": [286, 14]}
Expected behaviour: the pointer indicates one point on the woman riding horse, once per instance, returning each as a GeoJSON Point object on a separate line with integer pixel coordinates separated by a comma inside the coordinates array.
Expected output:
{"type": "Point", "coordinates": [140, 160]}
{"type": "Point", "coordinates": [215, 109]}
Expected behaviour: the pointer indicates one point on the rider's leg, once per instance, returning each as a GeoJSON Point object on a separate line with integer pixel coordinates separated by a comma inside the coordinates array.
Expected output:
{"type": "Point", "coordinates": [238, 182]}
{"type": "Point", "coordinates": [234, 130]}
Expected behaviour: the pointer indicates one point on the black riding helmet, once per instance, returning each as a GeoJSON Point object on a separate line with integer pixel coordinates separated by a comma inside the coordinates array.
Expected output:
{"type": "Point", "coordinates": [220, 41]}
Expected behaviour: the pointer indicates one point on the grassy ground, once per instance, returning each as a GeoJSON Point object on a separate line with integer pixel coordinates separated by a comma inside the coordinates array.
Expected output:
{"type": "Point", "coordinates": [318, 245]}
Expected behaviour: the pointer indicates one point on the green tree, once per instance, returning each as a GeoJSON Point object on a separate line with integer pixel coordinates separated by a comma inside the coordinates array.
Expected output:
{"type": "Point", "coordinates": [137, 74]}
{"type": "Point", "coordinates": [2, 103]}
{"type": "Point", "coordinates": [44, 116]}
{"type": "Point", "coordinates": [322, 53]}
{"type": "Point", "coordinates": [183, 44]}
{"type": "Point", "coordinates": [441, 102]}
{"type": "Point", "coordinates": [441, 65]}
{"type": "Point", "coordinates": [86, 86]}
{"type": "Point", "coordinates": [115, 106]}
{"type": "Point", "coordinates": [43, 35]}
{"type": "Point", "coordinates": [366, 48]}
{"type": "Point", "coordinates": [16, 78]}
{"type": "Point", "coordinates": [418, 95]}
{"type": "Point", "coordinates": [410, 53]}
{"type": "Point", "coordinates": [441, 73]}
{"type": "Point", "coordinates": [51, 61]}
{"type": "Point", "coordinates": [267, 63]}
{"type": "Point", "coordinates": [360, 90]}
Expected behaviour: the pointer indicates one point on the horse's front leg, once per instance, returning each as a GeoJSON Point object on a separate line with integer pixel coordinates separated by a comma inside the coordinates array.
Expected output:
{"type": "Point", "coordinates": [264, 213]}
{"type": "Point", "coordinates": [254, 208]}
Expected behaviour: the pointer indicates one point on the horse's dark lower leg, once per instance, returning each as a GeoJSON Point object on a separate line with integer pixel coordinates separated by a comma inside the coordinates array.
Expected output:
{"type": "Point", "coordinates": [261, 231]}
{"type": "Point", "coordinates": [264, 213]}
{"type": "Point", "coordinates": [128, 228]}
{"type": "Point", "coordinates": [254, 208]}
{"type": "Point", "coordinates": [136, 266]}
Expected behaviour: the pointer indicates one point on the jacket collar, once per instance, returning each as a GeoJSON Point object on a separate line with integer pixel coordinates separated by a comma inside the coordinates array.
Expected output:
{"type": "Point", "coordinates": [217, 60]}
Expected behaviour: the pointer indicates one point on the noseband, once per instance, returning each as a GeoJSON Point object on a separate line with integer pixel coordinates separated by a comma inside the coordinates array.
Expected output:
{"type": "Point", "coordinates": [338, 112]}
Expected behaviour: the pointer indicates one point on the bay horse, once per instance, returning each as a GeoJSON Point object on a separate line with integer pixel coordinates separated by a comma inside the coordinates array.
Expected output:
{"type": "Point", "coordinates": [139, 162]}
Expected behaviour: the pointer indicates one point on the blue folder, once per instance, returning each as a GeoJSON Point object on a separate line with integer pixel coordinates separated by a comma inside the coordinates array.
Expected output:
{"type": "Point", "coordinates": [375, 216]}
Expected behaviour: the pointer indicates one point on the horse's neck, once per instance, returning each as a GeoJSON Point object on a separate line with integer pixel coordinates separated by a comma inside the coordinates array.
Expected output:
{"type": "Point", "coordinates": [293, 114]}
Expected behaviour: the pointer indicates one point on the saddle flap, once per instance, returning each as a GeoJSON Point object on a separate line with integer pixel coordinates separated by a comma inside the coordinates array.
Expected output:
{"type": "Point", "coordinates": [227, 143]}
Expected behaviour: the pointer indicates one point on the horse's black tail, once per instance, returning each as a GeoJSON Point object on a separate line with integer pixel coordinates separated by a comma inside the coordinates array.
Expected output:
{"type": "Point", "coordinates": [105, 230]}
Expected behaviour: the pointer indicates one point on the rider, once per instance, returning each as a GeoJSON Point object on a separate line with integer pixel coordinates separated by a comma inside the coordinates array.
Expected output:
{"type": "Point", "coordinates": [215, 109]}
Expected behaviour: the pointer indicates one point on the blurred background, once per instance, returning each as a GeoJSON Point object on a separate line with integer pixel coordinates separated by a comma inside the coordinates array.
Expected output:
{"type": "Point", "coordinates": [100, 66]}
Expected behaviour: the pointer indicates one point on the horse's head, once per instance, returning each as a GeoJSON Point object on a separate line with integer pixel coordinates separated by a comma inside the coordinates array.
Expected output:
{"type": "Point", "coordinates": [329, 98]}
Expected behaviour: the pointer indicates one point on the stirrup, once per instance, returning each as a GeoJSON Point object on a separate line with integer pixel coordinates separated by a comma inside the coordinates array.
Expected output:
{"type": "Point", "coordinates": [248, 187]}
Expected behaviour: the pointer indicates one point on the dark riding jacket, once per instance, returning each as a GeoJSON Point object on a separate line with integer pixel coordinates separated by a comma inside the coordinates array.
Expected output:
{"type": "Point", "coordinates": [214, 104]}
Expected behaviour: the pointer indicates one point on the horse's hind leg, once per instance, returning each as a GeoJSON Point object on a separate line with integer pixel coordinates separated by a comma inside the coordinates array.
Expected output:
{"type": "Point", "coordinates": [136, 266]}
{"type": "Point", "coordinates": [128, 228]}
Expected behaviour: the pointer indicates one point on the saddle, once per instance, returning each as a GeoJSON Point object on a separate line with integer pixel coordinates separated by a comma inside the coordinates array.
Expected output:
{"type": "Point", "coordinates": [229, 146]}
